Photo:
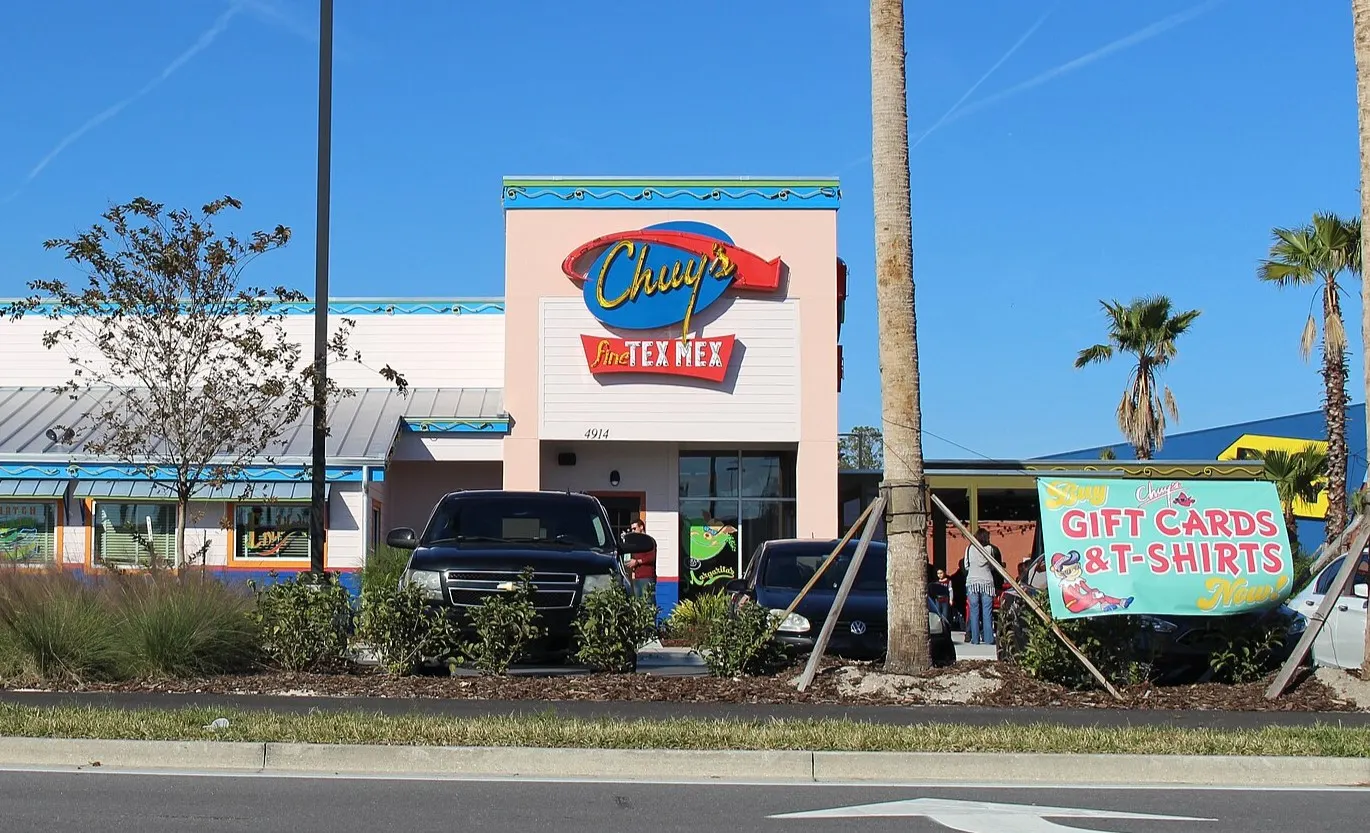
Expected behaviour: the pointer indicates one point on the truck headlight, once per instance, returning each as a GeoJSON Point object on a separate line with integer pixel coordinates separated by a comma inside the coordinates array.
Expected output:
{"type": "Point", "coordinates": [598, 581]}
{"type": "Point", "coordinates": [429, 581]}
{"type": "Point", "coordinates": [794, 623]}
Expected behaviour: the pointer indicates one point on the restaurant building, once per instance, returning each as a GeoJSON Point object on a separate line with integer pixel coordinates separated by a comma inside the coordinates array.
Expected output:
{"type": "Point", "coordinates": [671, 346]}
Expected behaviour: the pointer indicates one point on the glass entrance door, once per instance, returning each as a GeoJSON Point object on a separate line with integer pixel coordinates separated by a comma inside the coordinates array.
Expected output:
{"type": "Point", "coordinates": [623, 509]}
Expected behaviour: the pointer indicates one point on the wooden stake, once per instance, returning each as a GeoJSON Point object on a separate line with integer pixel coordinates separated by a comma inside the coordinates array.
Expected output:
{"type": "Point", "coordinates": [989, 556]}
{"type": "Point", "coordinates": [1319, 617]}
{"type": "Point", "coordinates": [832, 556]}
{"type": "Point", "coordinates": [877, 508]}
{"type": "Point", "coordinates": [1328, 551]}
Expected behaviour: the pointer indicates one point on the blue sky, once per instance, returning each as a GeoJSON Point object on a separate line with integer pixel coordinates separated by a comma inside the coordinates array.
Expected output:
{"type": "Point", "coordinates": [1075, 171]}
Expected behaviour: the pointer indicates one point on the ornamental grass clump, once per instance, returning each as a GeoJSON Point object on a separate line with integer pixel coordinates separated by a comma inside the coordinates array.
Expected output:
{"type": "Point", "coordinates": [183, 625]}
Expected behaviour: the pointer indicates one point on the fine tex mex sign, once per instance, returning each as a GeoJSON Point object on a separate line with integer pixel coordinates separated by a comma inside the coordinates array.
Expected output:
{"type": "Point", "coordinates": [659, 277]}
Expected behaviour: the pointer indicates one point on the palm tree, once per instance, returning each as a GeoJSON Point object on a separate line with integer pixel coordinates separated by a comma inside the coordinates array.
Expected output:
{"type": "Point", "coordinates": [901, 410]}
{"type": "Point", "coordinates": [1318, 255]}
{"type": "Point", "coordinates": [1146, 330]}
{"type": "Point", "coordinates": [1298, 477]}
{"type": "Point", "coordinates": [1360, 32]}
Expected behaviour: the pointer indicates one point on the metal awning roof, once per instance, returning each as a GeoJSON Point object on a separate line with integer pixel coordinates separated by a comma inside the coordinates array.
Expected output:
{"type": "Point", "coordinates": [361, 427]}
{"type": "Point", "coordinates": [280, 492]}
{"type": "Point", "coordinates": [33, 488]}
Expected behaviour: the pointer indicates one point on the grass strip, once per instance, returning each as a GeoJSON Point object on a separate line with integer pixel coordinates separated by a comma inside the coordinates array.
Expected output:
{"type": "Point", "coordinates": [559, 732]}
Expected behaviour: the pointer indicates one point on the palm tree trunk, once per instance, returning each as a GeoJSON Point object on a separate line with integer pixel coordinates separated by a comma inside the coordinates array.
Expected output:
{"type": "Point", "coordinates": [1360, 29]}
{"type": "Point", "coordinates": [901, 410]}
{"type": "Point", "coordinates": [1334, 377]}
{"type": "Point", "coordinates": [1291, 525]}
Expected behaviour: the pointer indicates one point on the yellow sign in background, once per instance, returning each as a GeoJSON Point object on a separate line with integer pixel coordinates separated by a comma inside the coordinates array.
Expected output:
{"type": "Point", "coordinates": [1263, 443]}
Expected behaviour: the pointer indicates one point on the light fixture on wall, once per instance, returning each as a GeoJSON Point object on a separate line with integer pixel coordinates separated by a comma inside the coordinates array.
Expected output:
{"type": "Point", "coordinates": [613, 477]}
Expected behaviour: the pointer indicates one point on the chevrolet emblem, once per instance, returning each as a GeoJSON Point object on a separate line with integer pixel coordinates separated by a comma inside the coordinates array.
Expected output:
{"type": "Point", "coordinates": [507, 586]}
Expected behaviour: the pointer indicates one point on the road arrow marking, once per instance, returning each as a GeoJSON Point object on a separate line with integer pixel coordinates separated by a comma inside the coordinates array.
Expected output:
{"type": "Point", "coordinates": [979, 816]}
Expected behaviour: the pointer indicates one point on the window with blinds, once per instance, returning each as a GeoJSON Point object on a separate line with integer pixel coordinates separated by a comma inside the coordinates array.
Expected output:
{"type": "Point", "coordinates": [278, 531]}
{"type": "Point", "coordinates": [28, 532]}
{"type": "Point", "coordinates": [134, 534]}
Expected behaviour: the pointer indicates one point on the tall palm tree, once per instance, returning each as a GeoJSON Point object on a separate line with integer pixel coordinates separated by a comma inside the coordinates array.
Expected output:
{"type": "Point", "coordinates": [1360, 32]}
{"type": "Point", "coordinates": [1146, 330]}
{"type": "Point", "coordinates": [1318, 255]}
{"type": "Point", "coordinates": [901, 410]}
{"type": "Point", "coordinates": [1298, 477]}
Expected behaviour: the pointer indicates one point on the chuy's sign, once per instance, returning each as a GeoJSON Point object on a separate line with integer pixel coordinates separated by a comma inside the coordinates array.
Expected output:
{"type": "Point", "coordinates": [1176, 547]}
{"type": "Point", "coordinates": [658, 277]}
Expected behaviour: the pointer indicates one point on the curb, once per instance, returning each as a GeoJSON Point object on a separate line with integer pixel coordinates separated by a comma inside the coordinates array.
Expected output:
{"type": "Point", "coordinates": [965, 768]}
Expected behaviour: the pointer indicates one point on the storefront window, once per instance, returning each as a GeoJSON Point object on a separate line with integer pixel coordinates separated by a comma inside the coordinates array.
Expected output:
{"type": "Point", "coordinates": [273, 530]}
{"type": "Point", "coordinates": [28, 532]}
{"type": "Point", "coordinates": [134, 534]}
{"type": "Point", "coordinates": [730, 502]}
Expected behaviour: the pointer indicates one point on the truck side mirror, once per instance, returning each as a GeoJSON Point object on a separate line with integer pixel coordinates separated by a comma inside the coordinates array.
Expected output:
{"type": "Point", "coordinates": [402, 539]}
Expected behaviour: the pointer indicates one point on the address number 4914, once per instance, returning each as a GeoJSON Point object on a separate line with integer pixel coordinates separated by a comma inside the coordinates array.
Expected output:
{"type": "Point", "coordinates": [596, 433]}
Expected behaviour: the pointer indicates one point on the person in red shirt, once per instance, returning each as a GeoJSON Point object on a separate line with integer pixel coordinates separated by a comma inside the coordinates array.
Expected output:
{"type": "Point", "coordinates": [642, 567]}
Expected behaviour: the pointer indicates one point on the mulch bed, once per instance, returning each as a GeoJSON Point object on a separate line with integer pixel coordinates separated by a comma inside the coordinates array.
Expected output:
{"type": "Point", "coordinates": [1018, 690]}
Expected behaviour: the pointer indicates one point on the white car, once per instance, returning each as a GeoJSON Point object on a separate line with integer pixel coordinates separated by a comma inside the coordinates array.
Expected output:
{"type": "Point", "coordinates": [1341, 642]}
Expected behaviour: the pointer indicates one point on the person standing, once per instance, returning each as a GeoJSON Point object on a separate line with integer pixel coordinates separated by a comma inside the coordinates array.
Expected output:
{"type": "Point", "coordinates": [945, 602]}
{"type": "Point", "coordinates": [642, 567]}
{"type": "Point", "coordinates": [979, 592]}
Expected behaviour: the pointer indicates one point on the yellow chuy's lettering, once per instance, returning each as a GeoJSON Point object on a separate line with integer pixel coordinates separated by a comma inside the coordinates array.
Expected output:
{"type": "Point", "coordinates": [682, 274]}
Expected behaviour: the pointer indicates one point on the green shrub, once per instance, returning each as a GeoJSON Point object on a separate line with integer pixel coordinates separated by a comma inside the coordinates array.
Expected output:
{"type": "Point", "coordinates": [1108, 641]}
{"type": "Point", "coordinates": [383, 569]}
{"type": "Point", "coordinates": [1246, 654]}
{"type": "Point", "coordinates": [694, 620]}
{"type": "Point", "coordinates": [505, 626]}
{"type": "Point", "coordinates": [743, 643]}
{"type": "Point", "coordinates": [58, 627]}
{"type": "Point", "coordinates": [303, 621]}
{"type": "Point", "coordinates": [404, 629]}
{"type": "Point", "coordinates": [183, 625]}
{"type": "Point", "coordinates": [611, 626]}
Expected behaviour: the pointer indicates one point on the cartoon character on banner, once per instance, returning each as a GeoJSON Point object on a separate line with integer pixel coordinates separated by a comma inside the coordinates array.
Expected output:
{"type": "Point", "coordinates": [1078, 596]}
{"type": "Point", "coordinates": [710, 538]}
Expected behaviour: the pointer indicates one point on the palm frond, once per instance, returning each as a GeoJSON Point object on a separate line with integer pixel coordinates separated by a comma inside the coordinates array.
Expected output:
{"type": "Point", "coordinates": [1094, 355]}
{"type": "Point", "coordinates": [1334, 334]}
{"type": "Point", "coordinates": [1309, 337]}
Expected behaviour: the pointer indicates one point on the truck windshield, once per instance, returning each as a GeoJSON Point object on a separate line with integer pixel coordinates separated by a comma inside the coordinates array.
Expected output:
{"type": "Point", "coordinates": [790, 566]}
{"type": "Point", "coordinates": [518, 520]}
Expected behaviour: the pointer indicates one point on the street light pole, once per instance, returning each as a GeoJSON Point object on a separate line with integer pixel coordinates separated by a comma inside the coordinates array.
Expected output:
{"type": "Point", "coordinates": [319, 463]}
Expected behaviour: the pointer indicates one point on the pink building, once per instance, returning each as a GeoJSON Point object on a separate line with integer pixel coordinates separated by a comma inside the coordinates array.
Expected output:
{"type": "Point", "coordinates": [670, 346]}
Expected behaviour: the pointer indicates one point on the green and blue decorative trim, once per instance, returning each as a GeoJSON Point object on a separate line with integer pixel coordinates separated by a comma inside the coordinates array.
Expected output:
{"type": "Point", "coordinates": [359, 306]}
{"type": "Point", "coordinates": [672, 193]}
{"type": "Point", "coordinates": [101, 471]}
{"type": "Point", "coordinates": [456, 426]}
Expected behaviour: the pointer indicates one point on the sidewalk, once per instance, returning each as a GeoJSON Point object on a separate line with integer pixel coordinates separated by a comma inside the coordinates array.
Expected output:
{"type": "Point", "coordinates": [964, 650]}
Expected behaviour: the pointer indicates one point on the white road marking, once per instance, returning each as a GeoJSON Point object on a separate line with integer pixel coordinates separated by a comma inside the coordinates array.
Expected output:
{"type": "Point", "coordinates": [979, 816]}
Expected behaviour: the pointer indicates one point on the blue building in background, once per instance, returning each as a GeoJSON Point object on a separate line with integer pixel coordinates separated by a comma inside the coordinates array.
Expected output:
{"type": "Point", "coordinates": [1247, 440]}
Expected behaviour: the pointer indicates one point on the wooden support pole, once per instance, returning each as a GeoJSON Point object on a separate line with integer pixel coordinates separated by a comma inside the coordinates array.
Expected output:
{"type": "Point", "coordinates": [1319, 617]}
{"type": "Point", "coordinates": [876, 510]}
{"type": "Point", "coordinates": [1330, 550]}
{"type": "Point", "coordinates": [817, 574]}
{"type": "Point", "coordinates": [1027, 599]}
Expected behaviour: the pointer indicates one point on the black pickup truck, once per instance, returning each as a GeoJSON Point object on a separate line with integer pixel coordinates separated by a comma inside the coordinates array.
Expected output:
{"type": "Point", "coordinates": [478, 542]}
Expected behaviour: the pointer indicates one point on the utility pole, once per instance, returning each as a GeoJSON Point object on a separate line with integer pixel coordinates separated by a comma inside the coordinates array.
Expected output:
{"type": "Point", "coordinates": [319, 464]}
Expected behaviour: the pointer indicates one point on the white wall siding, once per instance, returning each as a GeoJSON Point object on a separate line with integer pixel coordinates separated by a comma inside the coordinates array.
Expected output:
{"type": "Point", "coordinates": [430, 350]}
{"type": "Point", "coordinates": [345, 544]}
{"type": "Point", "coordinates": [758, 402]}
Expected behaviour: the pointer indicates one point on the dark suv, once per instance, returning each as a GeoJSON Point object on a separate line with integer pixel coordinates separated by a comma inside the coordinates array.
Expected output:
{"type": "Point", "coordinates": [478, 542]}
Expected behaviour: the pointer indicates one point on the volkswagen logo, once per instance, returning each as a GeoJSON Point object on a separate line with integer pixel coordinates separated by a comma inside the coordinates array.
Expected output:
{"type": "Point", "coordinates": [858, 627]}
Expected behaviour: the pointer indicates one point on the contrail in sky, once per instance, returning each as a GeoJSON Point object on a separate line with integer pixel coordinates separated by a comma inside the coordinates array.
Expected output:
{"type": "Point", "coordinates": [1160, 27]}
{"type": "Point", "coordinates": [1009, 54]}
{"type": "Point", "coordinates": [202, 43]}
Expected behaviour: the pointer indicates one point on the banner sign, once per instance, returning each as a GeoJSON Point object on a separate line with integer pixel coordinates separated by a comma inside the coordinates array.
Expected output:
{"type": "Point", "coordinates": [658, 277]}
{"type": "Point", "coordinates": [1181, 547]}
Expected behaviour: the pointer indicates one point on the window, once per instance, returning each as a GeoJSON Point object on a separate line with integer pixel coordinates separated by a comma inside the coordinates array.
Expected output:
{"type": "Point", "coordinates": [272, 530]}
{"type": "Point", "coordinates": [28, 532]}
{"type": "Point", "coordinates": [790, 566]}
{"type": "Point", "coordinates": [134, 534]}
{"type": "Point", "coordinates": [731, 502]}
{"type": "Point", "coordinates": [484, 520]}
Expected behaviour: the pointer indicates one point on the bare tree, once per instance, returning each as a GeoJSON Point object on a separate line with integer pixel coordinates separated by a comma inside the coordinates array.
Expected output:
{"type": "Point", "coordinates": [201, 377]}
{"type": "Point", "coordinates": [901, 413]}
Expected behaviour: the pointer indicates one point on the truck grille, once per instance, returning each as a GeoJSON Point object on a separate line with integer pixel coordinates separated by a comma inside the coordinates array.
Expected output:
{"type": "Point", "coordinates": [552, 591]}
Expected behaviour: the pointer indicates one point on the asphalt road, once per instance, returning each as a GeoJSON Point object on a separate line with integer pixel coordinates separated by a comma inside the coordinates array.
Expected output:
{"type": "Point", "coordinates": [44, 802]}
{"type": "Point", "coordinates": [648, 710]}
